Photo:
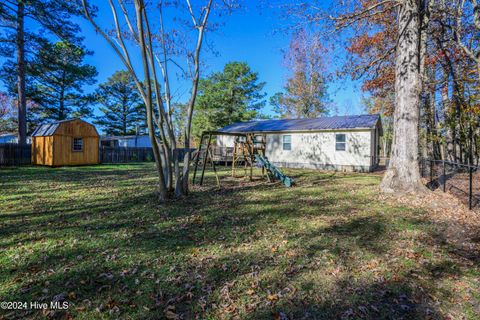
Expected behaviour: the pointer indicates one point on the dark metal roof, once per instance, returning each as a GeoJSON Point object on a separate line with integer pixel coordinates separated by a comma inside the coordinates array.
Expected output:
{"type": "Point", "coordinates": [368, 121]}
{"type": "Point", "coordinates": [48, 129]}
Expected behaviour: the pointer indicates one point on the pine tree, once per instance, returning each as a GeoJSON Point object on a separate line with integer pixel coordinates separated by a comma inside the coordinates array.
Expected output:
{"type": "Point", "coordinates": [16, 41]}
{"type": "Point", "coordinates": [123, 110]}
{"type": "Point", "coordinates": [56, 76]}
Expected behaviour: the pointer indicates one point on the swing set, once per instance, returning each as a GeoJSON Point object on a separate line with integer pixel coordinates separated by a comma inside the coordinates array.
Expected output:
{"type": "Point", "coordinates": [249, 149]}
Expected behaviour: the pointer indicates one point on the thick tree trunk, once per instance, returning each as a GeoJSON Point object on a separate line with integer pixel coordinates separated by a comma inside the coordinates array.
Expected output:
{"type": "Point", "coordinates": [22, 99]}
{"type": "Point", "coordinates": [191, 104]}
{"type": "Point", "coordinates": [403, 174]}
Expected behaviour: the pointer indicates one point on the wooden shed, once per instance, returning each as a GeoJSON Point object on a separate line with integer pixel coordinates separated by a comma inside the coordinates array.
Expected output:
{"type": "Point", "coordinates": [65, 143]}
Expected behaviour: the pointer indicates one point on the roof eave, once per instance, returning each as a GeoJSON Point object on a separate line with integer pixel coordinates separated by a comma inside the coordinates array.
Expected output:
{"type": "Point", "coordinates": [300, 131]}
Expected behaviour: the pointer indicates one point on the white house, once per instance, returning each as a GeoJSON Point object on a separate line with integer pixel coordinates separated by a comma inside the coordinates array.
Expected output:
{"type": "Point", "coordinates": [344, 143]}
{"type": "Point", "coordinates": [133, 141]}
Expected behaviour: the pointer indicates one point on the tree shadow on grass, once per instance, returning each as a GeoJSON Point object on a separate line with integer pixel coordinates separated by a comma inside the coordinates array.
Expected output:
{"type": "Point", "coordinates": [202, 254]}
{"type": "Point", "coordinates": [385, 300]}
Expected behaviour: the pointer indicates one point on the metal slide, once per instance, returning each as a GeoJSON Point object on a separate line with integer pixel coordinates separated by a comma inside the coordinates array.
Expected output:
{"type": "Point", "coordinates": [275, 172]}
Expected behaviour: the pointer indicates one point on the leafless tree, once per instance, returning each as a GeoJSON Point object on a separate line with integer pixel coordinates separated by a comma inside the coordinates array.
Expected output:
{"type": "Point", "coordinates": [158, 49]}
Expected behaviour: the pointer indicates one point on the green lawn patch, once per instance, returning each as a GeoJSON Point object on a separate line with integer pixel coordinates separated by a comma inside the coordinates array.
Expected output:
{"type": "Point", "coordinates": [327, 248]}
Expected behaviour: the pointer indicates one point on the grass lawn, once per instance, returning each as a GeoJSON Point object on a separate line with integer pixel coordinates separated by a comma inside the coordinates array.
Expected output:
{"type": "Point", "coordinates": [331, 247]}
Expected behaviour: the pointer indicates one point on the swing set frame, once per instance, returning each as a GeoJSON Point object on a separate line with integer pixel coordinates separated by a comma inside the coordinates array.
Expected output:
{"type": "Point", "coordinates": [244, 150]}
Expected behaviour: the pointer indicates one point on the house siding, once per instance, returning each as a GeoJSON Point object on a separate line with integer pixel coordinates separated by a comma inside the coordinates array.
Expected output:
{"type": "Point", "coordinates": [316, 150]}
{"type": "Point", "coordinates": [225, 141]}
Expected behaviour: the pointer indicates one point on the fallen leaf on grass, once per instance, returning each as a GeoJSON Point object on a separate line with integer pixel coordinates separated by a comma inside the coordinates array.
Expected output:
{"type": "Point", "coordinates": [230, 309]}
{"type": "Point", "coordinates": [272, 297]}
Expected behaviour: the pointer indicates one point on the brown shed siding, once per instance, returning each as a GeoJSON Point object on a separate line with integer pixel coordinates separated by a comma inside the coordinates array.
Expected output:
{"type": "Point", "coordinates": [42, 150]}
{"type": "Point", "coordinates": [77, 128]}
{"type": "Point", "coordinates": [57, 149]}
{"type": "Point", "coordinates": [64, 154]}
{"type": "Point", "coordinates": [48, 151]}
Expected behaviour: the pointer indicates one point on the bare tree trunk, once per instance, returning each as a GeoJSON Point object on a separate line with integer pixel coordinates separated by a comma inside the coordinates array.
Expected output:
{"type": "Point", "coordinates": [193, 95]}
{"type": "Point", "coordinates": [434, 129]}
{"type": "Point", "coordinates": [449, 138]}
{"type": "Point", "coordinates": [22, 99]}
{"type": "Point", "coordinates": [167, 165]}
{"type": "Point", "coordinates": [430, 113]}
{"type": "Point", "coordinates": [403, 174]}
{"type": "Point", "coordinates": [162, 188]}
{"type": "Point", "coordinates": [458, 99]}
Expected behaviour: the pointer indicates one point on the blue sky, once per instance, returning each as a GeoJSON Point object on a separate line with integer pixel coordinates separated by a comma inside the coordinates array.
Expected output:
{"type": "Point", "coordinates": [247, 35]}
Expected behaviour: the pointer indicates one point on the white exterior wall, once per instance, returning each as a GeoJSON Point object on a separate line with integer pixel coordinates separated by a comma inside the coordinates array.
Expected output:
{"type": "Point", "coordinates": [317, 151]}
{"type": "Point", "coordinates": [226, 141]}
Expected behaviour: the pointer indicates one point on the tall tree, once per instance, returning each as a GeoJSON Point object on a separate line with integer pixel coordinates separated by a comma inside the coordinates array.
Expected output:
{"type": "Point", "coordinates": [446, 37]}
{"type": "Point", "coordinates": [403, 173]}
{"type": "Point", "coordinates": [179, 34]}
{"type": "Point", "coordinates": [57, 75]}
{"type": "Point", "coordinates": [233, 95]}
{"type": "Point", "coordinates": [123, 109]}
{"type": "Point", "coordinates": [305, 93]}
{"type": "Point", "coordinates": [51, 15]}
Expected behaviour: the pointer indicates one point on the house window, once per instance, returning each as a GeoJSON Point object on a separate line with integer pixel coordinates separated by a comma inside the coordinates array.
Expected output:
{"type": "Point", "coordinates": [77, 144]}
{"type": "Point", "coordinates": [340, 142]}
{"type": "Point", "coordinates": [287, 142]}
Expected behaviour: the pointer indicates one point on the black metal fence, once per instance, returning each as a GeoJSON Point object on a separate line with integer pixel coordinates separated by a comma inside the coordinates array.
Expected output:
{"type": "Point", "coordinates": [13, 154]}
{"type": "Point", "coordinates": [459, 179]}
